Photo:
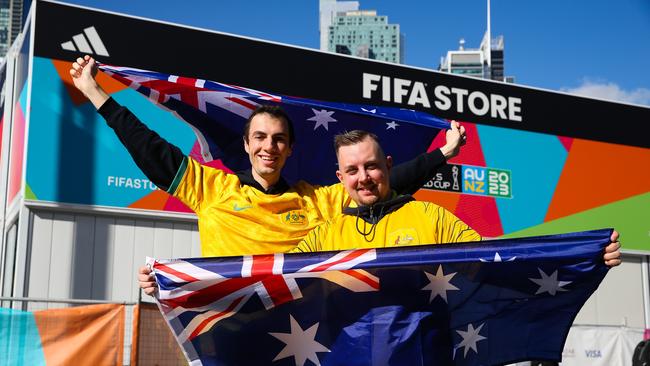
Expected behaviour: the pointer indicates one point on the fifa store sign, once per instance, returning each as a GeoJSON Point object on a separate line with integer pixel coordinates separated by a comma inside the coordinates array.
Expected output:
{"type": "Point", "coordinates": [417, 93]}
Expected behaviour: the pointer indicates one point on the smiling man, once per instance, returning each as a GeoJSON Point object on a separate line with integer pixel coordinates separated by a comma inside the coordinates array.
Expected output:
{"type": "Point", "coordinates": [378, 216]}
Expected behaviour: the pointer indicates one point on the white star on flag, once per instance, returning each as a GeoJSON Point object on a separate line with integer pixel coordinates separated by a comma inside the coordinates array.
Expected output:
{"type": "Point", "coordinates": [470, 338]}
{"type": "Point", "coordinates": [548, 283]}
{"type": "Point", "coordinates": [497, 258]}
{"type": "Point", "coordinates": [439, 284]}
{"type": "Point", "coordinates": [392, 125]}
{"type": "Point", "coordinates": [369, 110]}
{"type": "Point", "coordinates": [300, 344]}
{"type": "Point", "coordinates": [322, 118]}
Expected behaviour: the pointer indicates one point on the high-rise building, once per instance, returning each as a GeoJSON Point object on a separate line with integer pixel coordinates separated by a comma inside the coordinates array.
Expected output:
{"type": "Point", "coordinates": [486, 62]}
{"type": "Point", "coordinates": [483, 62]}
{"type": "Point", "coordinates": [12, 18]}
{"type": "Point", "coordinates": [468, 62]}
{"type": "Point", "coordinates": [360, 33]}
{"type": "Point", "coordinates": [328, 9]}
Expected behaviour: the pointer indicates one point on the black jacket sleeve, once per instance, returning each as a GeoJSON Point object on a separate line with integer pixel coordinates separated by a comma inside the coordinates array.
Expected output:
{"type": "Point", "coordinates": [158, 159]}
{"type": "Point", "coordinates": [410, 176]}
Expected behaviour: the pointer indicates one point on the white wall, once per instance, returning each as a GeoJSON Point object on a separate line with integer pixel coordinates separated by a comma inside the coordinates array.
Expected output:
{"type": "Point", "coordinates": [619, 299]}
{"type": "Point", "coordinates": [86, 256]}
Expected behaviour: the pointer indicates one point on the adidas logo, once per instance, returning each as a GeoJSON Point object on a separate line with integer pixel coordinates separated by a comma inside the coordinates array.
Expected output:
{"type": "Point", "coordinates": [82, 42]}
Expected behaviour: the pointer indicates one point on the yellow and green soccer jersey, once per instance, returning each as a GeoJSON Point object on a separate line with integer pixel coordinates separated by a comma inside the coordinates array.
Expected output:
{"type": "Point", "coordinates": [236, 219]}
{"type": "Point", "coordinates": [414, 223]}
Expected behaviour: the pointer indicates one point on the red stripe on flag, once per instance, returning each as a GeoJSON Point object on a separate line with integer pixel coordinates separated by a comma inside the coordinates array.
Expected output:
{"type": "Point", "coordinates": [198, 330]}
{"type": "Point", "coordinates": [277, 288]}
{"type": "Point", "coordinates": [186, 81]}
{"type": "Point", "coordinates": [242, 102]}
{"type": "Point", "coordinates": [262, 265]}
{"type": "Point", "coordinates": [363, 278]}
{"type": "Point", "coordinates": [210, 294]}
{"type": "Point", "coordinates": [174, 272]}
{"type": "Point", "coordinates": [347, 258]}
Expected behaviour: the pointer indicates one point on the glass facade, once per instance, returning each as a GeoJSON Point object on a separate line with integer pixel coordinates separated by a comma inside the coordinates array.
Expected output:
{"type": "Point", "coordinates": [366, 34]}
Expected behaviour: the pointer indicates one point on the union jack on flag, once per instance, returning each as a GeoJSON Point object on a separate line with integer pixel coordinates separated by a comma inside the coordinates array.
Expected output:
{"type": "Point", "coordinates": [217, 113]}
{"type": "Point", "coordinates": [487, 303]}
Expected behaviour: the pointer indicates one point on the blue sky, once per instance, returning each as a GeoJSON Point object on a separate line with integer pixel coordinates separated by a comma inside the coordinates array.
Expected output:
{"type": "Point", "coordinates": [599, 48]}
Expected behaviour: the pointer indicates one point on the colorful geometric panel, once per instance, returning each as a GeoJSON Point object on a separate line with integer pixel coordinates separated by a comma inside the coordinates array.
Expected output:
{"type": "Point", "coordinates": [155, 200]}
{"type": "Point", "coordinates": [174, 204]}
{"type": "Point", "coordinates": [598, 173]}
{"type": "Point", "coordinates": [481, 214]}
{"type": "Point", "coordinates": [629, 217]}
{"type": "Point", "coordinates": [109, 84]}
{"type": "Point", "coordinates": [535, 162]}
{"type": "Point", "coordinates": [566, 142]}
{"type": "Point", "coordinates": [443, 199]}
{"type": "Point", "coordinates": [75, 157]}
{"type": "Point", "coordinates": [17, 153]}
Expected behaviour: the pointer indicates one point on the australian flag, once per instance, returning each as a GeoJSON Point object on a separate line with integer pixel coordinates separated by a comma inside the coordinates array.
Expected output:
{"type": "Point", "coordinates": [217, 113]}
{"type": "Point", "coordinates": [485, 303]}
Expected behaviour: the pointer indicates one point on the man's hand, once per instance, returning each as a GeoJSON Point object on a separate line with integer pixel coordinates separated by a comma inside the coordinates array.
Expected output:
{"type": "Point", "coordinates": [147, 281]}
{"type": "Point", "coordinates": [455, 138]}
{"type": "Point", "coordinates": [612, 255]}
{"type": "Point", "coordinates": [83, 73]}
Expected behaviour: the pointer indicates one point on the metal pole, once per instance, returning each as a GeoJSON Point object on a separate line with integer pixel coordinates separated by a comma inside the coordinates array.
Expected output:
{"type": "Point", "coordinates": [645, 281]}
{"type": "Point", "coordinates": [65, 301]}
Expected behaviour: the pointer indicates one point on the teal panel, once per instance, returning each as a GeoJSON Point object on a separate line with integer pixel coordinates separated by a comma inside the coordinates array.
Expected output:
{"type": "Point", "coordinates": [74, 157]}
{"type": "Point", "coordinates": [20, 343]}
{"type": "Point", "coordinates": [535, 162]}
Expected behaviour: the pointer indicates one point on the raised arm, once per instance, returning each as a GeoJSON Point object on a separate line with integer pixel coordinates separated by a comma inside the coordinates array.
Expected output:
{"type": "Point", "coordinates": [158, 159]}
{"type": "Point", "coordinates": [407, 178]}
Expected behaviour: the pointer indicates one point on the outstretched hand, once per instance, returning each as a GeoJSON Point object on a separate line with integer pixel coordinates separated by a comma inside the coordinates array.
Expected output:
{"type": "Point", "coordinates": [83, 73]}
{"type": "Point", "coordinates": [147, 281]}
{"type": "Point", "coordinates": [612, 255]}
{"type": "Point", "coordinates": [455, 139]}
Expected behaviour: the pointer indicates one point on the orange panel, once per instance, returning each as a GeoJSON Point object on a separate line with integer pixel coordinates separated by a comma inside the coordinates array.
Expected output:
{"type": "Point", "coordinates": [82, 335]}
{"type": "Point", "coordinates": [444, 199]}
{"type": "Point", "coordinates": [155, 200]}
{"type": "Point", "coordinates": [598, 173]}
{"type": "Point", "coordinates": [109, 84]}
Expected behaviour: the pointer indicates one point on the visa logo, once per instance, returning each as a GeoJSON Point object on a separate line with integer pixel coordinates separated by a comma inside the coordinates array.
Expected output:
{"type": "Point", "coordinates": [593, 353]}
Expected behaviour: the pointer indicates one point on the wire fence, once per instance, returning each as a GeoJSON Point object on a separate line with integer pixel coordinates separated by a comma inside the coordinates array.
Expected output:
{"type": "Point", "coordinates": [147, 338]}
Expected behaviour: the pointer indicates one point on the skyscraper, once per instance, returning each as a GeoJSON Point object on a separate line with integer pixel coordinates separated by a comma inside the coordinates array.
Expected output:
{"type": "Point", "coordinates": [360, 33]}
{"type": "Point", "coordinates": [328, 10]}
{"type": "Point", "coordinates": [486, 62]}
{"type": "Point", "coordinates": [12, 18]}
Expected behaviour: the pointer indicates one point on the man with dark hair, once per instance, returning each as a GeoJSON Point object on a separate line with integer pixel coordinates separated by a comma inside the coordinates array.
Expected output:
{"type": "Point", "coordinates": [379, 217]}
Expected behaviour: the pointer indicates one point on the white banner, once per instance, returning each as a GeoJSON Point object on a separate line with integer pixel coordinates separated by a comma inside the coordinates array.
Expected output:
{"type": "Point", "coordinates": [600, 345]}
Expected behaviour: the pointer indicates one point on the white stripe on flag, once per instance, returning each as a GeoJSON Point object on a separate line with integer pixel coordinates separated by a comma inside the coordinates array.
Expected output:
{"type": "Point", "coordinates": [247, 266]}
{"type": "Point", "coordinates": [368, 256]}
{"type": "Point", "coordinates": [278, 263]}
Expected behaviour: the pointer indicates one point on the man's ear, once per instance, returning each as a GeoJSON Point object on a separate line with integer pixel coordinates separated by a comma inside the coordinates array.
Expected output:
{"type": "Point", "coordinates": [246, 145]}
{"type": "Point", "coordinates": [389, 162]}
{"type": "Point", "coordinates": [339, 175]}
